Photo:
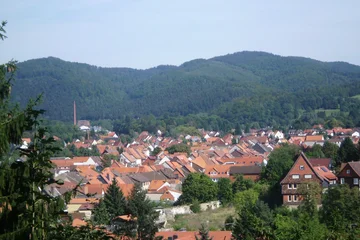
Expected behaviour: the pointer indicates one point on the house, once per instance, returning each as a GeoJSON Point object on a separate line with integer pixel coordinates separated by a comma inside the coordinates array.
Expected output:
{"type": "Point", "coordinates": [350, 174]}
{"type": "Point", "coordinates": [311, 140]}
{"type": "Point", "coordinates": [216, 172]}
{"type": "Point", "coordinates": [279, 135]}
{"type": "Point", "coordinates": [303, 172]}
{"type": "Point", "coordinates": [170, 195]}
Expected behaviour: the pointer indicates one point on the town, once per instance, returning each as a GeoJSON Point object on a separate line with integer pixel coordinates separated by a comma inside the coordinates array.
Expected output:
{"type": "Point", "coordinates": [159, 165]}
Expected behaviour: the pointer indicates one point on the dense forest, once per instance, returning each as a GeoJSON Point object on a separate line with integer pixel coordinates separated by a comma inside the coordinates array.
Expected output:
{"type": "Point", "coordinates": [256, 88]}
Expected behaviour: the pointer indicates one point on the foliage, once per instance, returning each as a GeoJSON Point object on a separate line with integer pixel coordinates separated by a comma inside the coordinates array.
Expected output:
{"type": "Point", "coordinates": [198, 186]}
{"type": "Point", "coordinates": [225, 193]}
{"type": "Point", "coordinates": [238, 88]}
{"type": "Point", "coordinates": [347, 152]}
{"type": "Point", "coordinates": [254, 222]}
{"type": "Point", "coordinates": [241, 184]}
{"type": "Point", "coordinates": [315, 152]}
{"type": "Point", "coordinates": [340, 212]}
{"type": "Point", "coordinates": [204, 233]}
{"type": "Point", "coordinates": [195, 206]}
{"type": "Point", "coordinates": [280, 162]}
{"type": "Point", "coordinates": [181, 147]}
{"type": "Point", "coordinates": [156, 151]}
{"type": "Point", "coordinates": [100, 213]}
{"type": "Point", "coordinates": [26, 212]}
{"type": "Point", "coordinates": [241, 199]}
{"type": "Point", "coordinates": [330, 150]}
{"type": "Point", "coordinates": [143, 213]}
{"type": "Point", "coordinates": [114, 200]}
{"type": "Point", "coordinates": [229, 222]}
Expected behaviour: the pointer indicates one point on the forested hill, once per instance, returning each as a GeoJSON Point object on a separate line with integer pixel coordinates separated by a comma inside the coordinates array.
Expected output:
{"type": "Point", "coordinates": [240, 87]}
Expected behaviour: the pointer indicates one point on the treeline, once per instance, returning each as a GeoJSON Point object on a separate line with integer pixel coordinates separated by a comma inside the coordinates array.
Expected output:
{"type": "Point", "coordinates": [246, 88]}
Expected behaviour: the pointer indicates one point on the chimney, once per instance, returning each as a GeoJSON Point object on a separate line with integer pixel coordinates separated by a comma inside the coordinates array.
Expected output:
{"type": "Point", "coordinates": [74, 113]}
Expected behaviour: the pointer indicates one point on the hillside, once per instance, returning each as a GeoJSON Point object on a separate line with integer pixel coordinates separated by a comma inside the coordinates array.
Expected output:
{"type": "Point", "coordinates": [240, 87]}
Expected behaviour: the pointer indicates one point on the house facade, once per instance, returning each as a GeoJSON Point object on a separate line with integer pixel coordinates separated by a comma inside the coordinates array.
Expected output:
{"type": "Point", "coordinates": [302, 172]}
{"type": "Point", "coordinates": [350, 174]}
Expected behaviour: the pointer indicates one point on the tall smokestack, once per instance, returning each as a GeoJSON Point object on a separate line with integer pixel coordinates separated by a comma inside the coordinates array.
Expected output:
{"type": "Point", "coordinates": [74, 113]}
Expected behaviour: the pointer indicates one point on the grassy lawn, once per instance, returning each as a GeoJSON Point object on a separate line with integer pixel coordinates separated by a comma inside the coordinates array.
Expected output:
{"type": "Point", "coordinates": [328, 112]}
{"type": "Point", "coordinates": [356, 96]}
{"type": "Point", "coordinates": [191, 222]}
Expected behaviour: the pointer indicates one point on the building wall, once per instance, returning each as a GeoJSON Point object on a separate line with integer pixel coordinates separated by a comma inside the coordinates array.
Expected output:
{"type": "Point", "coordinates": [348, 177]}
{"type": "Point", "coordinates": [300, 168]}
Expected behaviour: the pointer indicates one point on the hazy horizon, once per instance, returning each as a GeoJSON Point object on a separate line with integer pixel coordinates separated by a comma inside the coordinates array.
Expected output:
{"type": "Point", "coordinates": [144, 34]}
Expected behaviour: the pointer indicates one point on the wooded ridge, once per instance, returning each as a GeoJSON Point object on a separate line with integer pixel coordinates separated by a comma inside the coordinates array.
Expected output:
{"type": "Point", "coordinates": [243, 87]}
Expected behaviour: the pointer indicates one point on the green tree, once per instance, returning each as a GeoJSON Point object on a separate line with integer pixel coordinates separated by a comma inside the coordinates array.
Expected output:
{"type": "Point", "coordinates": [340, 212]}
{"type": "Point", "coordinates": [255, 221]}
{"type": "Point", "coordinates": [229, 222]}
{"type": "Point", "coordinates": [198, 186]}
{"type": "Point", "coordinates": [225, 193]}
{"type": "Point", "coordinates": [242, 184]}
{"type": "Point", "coordinates": [204, 233]}
{"type": "Point", "coordinates": [347, 152]}
{"type": "Point", "coordinates": [181, 147]}
{"type": "Point", "coordinates": [156, 151]}
{"type": "Point", "coordinates": [279, 163]}
{"type": "Point", "coordinates": [114, 200]}
{"type": "Point", "coordinates": [315, 152]}
{"type": "Point", "coordinates": [330, 150]}
{"type": "Point", "coordinates": [195, 206]}
{"type": "Point", "coordinates": [241, 199]}
{"type": "Point", "coordinates": [143, 213]}
{"type": "Point", "coordinates": [101, 215]}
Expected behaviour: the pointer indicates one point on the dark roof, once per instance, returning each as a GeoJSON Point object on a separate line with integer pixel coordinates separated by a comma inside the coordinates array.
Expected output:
{"type": "Point", "coordinates": [246, 170]}
{"type": "Point", "coordinates": [320, 161]}
{"type": "Point", "coordinates": [139, 177]}
{"type": "Point", "coordinates": [168, 173]}
{"type": "Point", "coordinates": [355, 166]}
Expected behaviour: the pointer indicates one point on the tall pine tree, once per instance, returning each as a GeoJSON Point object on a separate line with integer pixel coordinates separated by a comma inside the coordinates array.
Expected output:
{"type": "Point", "coordinates": [142, 211]}
{"type": "Point", "coordinates": [114, 200]}
{"type": "Point", "coordinates": [101, 215]}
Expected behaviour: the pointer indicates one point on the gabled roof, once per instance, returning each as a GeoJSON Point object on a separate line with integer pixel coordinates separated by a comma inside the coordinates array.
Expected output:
{"type": "Point", "coordinates": [314, 138]}
{"type": "Point", "coordinates": [355, 166]}
{"type": "Point", "coordinates": [320, 161]}
{"type": "Point", "coordinates": [325, 173]}
{"type": "Point", "coordinates": [303, 156]}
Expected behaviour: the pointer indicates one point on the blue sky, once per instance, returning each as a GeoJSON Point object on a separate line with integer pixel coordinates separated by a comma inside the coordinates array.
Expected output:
{"type": "Point", "coordinates": [147, 33]}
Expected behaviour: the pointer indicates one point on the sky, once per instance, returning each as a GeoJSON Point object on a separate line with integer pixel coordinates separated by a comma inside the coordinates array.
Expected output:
{"type": "Point", "coordinates": [146, 33]}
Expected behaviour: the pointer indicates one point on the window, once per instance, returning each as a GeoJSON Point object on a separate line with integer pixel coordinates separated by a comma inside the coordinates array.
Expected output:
{"type": "Point", "coordinates": [290, 186]}
{"type": "Point", "coordinates": [295, 198]}
{"type": "Point", "coordinates": [295, 176]}
{"type": "Point", "coordinates": [308, 176]}
{"type": "Point", "coordinates": [302, 167]}
{"type": "Point", "coordinates": [348, 171]}
{"type": "Point", "coordinates": [356, 181]}
{"type": "Point", "coordinates": [342, 180]}
{"type": "Point", "coordinates": [295, 186]}
{"type": "Point", "coordinates": [289, 198]}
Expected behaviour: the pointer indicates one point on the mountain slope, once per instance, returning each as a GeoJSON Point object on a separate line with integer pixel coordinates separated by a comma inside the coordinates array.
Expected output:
{"type": "Point", "coordinates": [244, 86]}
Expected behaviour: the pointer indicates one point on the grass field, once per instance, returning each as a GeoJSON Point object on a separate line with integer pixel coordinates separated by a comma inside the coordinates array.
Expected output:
{"type": "Point", "coordinates": [328, 112]}
{"type": "Point", "coordinates": [191, 222]}
{"type": "Point", "coordinates": [356, 96]}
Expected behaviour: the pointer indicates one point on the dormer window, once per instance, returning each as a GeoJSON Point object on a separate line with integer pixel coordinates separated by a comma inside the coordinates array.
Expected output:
{"type": "Point", "coordinates": [295, 176]}
{"type": "Point", "coordinates": [302, 167]}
